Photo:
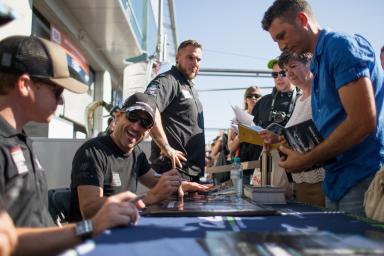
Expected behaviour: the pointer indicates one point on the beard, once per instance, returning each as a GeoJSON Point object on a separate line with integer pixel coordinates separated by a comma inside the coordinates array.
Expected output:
{"type": "Point", "coordinates": [189, 76]}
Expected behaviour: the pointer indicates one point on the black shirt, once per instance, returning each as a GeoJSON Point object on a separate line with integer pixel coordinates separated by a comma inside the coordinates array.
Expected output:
{"type": "Point", "coordinates": [182, 119]}
{"type": "Point", "coordinates": [100, 162]}
{"type": "Point", "coordinates": [263, 116]}
{"type": "Point", "coordinates": [277, 102]}
{"type": "Point", "coordinates": [18, 162]}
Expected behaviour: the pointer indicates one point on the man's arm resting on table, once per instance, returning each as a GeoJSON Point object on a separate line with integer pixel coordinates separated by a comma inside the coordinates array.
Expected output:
{"type": "Point", "coordinates": [358, 101]}
{"type": "Point", "coordinates": [161, 187]}
{"type": "Point", "coordinates": [116, 211]}
{"type": "Point", "coordinates": [46, 241]}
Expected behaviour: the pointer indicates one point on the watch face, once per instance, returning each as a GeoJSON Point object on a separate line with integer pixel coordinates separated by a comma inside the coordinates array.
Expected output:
{"type": "Point", "coordinates": [84, 229]}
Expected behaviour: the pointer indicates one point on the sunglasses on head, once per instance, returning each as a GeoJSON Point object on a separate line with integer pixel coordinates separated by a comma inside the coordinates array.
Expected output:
{"type": "Point", "coordinates": [57, 90]}
{"type": "Point", "coordinates": [281, 74]}
{"type": "Point", "coordinates": [134, 117]}
{"type": "Point", "coordinates": [251, 96]}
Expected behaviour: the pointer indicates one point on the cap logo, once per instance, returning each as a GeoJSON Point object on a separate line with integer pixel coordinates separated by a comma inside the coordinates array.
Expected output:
{"type": "Point", "coordinates": [6, 60]}
{"type": "Point", "coordinates": [143, 103]}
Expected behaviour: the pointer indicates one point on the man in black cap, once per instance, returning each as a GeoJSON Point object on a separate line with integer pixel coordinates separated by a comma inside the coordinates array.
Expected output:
{"type": "Point", "coordinates": [109, 165]}
{"type": "Point", "coordinates": [33, 74]}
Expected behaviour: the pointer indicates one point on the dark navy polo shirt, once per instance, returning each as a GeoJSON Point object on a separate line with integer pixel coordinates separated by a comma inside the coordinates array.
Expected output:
{"type": "Point", "coordinates": [18, 164]}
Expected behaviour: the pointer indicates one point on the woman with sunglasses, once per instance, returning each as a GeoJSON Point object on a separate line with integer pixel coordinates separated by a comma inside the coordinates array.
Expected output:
{"type": "Point", "coordinates": [246, 151]}
{"type": "Point", "coordinates": [307, 185]}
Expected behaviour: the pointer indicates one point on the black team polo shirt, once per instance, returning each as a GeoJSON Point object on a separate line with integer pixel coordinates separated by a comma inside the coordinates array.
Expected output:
{"type": "Point", "coordinates": [182, 119]}
{"type": "Point", "coordinates": [18, 162]}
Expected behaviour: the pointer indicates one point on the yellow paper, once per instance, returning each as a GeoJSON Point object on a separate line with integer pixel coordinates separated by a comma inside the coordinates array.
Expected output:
{"type": "Point", "coordinates": [247, 134]}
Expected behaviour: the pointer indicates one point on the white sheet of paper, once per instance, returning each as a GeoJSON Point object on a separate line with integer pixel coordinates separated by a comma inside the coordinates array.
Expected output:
{"type": "Point", "coordinates": [242, 116]}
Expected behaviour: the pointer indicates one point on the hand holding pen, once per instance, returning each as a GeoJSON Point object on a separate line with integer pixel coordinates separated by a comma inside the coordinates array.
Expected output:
{"type": "Point", "coordinates": [167, 184]}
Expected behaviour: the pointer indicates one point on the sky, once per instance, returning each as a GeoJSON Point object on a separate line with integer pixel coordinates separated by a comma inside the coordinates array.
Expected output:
{"type": "Point", "coordinates": [232, 37]}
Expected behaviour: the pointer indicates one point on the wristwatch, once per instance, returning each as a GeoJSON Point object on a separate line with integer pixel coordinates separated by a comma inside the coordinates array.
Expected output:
{"type": "Point", "coordinates": [84, 229]}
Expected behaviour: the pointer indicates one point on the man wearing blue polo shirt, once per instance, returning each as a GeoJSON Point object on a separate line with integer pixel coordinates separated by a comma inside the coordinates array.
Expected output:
{"type": "Point", "coordinates": [347, 97]}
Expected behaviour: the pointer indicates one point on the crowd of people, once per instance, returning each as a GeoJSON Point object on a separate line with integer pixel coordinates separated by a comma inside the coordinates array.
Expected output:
{"type": "Point", "coordinates": [319, 76]}
{"type": "Point", "coordinates": [329, 77]}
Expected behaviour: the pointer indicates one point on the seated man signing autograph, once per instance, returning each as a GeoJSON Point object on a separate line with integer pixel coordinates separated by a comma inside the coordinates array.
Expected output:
{"type": "Point", "coordinates": [111, 164]}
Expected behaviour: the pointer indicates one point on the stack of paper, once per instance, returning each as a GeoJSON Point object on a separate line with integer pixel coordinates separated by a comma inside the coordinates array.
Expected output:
{"type": "Point", "coordinates": [265, 194]}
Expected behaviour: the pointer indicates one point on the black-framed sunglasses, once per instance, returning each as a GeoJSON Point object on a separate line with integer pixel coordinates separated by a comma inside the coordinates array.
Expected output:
{"type": "Point", "coordinates": [134, 117]}
{"type": "Point", "coordinates": [251, 96]}
{"type": "Point", "coordinates": [281, 74]}
{"type": "Point", "coordinates": [57, 90]}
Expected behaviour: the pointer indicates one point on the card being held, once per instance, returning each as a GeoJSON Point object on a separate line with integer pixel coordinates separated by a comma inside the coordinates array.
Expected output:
{"type": "Point", "coordinates": [275, 128]}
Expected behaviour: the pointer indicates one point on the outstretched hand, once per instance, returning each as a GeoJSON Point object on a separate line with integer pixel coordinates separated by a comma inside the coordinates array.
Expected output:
{"type": "Point", "coordinates": [188, 186]}
{"type": "Point", "coordinates": [177, 157]}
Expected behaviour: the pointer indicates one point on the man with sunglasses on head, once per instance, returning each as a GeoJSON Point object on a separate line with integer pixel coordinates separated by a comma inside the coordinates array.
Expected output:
{"type": "Point", "coordinates": [33, 74]}
{"type": "Point", "coordinates": [278, 106]}
{"type": "Point", "coordinates": [178, 134]}
{"type": "Point", "coordinates": [111, 164]}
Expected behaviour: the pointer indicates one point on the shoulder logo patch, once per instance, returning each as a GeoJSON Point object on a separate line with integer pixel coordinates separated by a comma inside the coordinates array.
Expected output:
{"type": "Point", "coordinates": [152, 88]}
{"type": "Point", "coordinates": [19, 159]}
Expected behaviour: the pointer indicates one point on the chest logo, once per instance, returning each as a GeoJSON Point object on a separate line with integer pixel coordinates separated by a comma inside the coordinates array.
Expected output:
{"type": "Point", "coordinates": [116, 181]}
{"type": "Point", "coordinates": [19, 160]}
{"type": "Point", "coordinates": [186, 94]}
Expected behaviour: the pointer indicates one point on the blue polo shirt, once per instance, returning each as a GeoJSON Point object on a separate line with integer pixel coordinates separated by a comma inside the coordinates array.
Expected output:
{"type": "Point", "coordinates": [338, 60]}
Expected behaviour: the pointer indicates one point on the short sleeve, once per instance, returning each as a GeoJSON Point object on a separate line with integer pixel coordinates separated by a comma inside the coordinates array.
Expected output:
{"type": "Point", "coordinates": [162, 88]}
{"type": "Point", "coordinates": [142, 163]}
{"type": "Point", "coordinates": [352, 57]}
{"type": "Point", "coordinates": [88, 166]}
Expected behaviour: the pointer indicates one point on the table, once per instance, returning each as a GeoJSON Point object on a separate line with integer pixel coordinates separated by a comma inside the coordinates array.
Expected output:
{"type": "Point", "coordinates": [177, 235]}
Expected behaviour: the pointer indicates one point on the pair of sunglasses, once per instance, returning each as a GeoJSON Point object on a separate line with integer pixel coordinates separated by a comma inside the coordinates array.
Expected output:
{"type": "Point", "coordinates": [277, 74]}
{"type": "Point", "coordinates": [251, 96]}
{"type": "Point", "coordinates": [57, 90]}
{"type": "Point", "coordinates": [134, 117]}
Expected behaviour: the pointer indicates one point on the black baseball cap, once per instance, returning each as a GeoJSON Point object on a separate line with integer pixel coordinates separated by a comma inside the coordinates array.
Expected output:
{"type": "Point", "coordinates": [140, 101]}
{"type": "Point", "coordinates": [38, 58]}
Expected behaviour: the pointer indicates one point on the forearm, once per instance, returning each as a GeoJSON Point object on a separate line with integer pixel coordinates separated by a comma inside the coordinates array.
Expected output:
{"type": "Point", "coordinates": [234, 143]}
{"type": "Point", "coordinates": [345, 136]}
{"type": "Point", "coordinates": [90, 207]}
{"type": "Point", "coordinates": [216, 147]}
{"type": "Point", "coordinates": [149, 179]}
{"type": "Point", "coordinates": [46, 241]}
{"type": "Point", "coordinates": [157, 132]}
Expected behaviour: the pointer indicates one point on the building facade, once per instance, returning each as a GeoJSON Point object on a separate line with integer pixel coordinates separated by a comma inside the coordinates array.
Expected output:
{"type": "Point", "coordinates": [115, 46]}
